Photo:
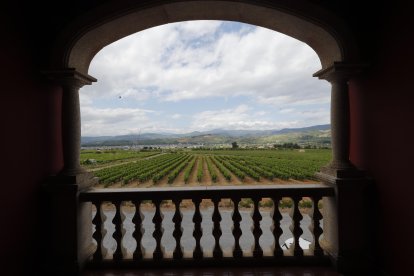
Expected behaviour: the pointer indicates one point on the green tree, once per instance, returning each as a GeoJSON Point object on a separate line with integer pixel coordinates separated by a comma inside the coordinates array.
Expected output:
{"type": "Point", "coordinates": [234, 145]}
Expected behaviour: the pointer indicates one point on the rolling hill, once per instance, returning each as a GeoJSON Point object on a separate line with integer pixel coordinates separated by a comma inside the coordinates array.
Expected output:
{"type": "Point", "coordinates": [313, 135]}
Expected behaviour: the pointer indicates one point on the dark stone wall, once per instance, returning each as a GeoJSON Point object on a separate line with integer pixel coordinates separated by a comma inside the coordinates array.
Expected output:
{"type": "Point", "coordinates": [382, 119]}
{"type": "Point", "coordinates": [30, 150]}
{"type": "Point", "coordinates": [30, 110]}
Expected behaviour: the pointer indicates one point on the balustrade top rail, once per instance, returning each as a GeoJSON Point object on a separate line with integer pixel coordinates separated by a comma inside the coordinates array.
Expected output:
{"type": "Point", "coordinates": [124, 194]}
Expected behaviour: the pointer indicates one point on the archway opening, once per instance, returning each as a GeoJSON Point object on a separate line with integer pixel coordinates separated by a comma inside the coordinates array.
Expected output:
{"type": "Point", "coordinates": [77, 46]}
{"type": "Point", "coordinates": [204, 86]}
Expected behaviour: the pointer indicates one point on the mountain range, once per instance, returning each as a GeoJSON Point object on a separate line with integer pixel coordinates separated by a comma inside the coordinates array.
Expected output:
{"type": "Point", "coordinates": [318, 134]}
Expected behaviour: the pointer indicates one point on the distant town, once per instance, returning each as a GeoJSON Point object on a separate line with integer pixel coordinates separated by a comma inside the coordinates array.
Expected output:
{"type": "Point", "coordinates": [306, 138]}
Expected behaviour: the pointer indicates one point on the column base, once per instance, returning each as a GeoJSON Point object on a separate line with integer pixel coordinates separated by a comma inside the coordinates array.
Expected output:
{"type": "Point", "coordinates": [69, 230]}
{"type": "Point", "coordinates": [83, 179]}
{"type": "Point", "coordinates": [341, 172]}
{"type": "Point", "coordinates": [348, 220]}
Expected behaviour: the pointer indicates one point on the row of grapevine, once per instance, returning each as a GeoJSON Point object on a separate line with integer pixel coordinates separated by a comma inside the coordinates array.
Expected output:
{"type": "Point", "coordinates": [242, 167]}
{"type": "Point", "coordinates": [117, 173]}
{"type": "Point", "coordinates": [167, 169]}
{"type": "Point", "coordinates": [286, 169]}
{"type": "Point", "coordinates": [257, 167]}
{"type": "Point", "coordinates": [283, 169]}
{"type": "Point", "coordinates": [147, 170]}
{"type": "Point", "coordinates": [173, 175]}
{"type": "Point", "coordinates": [268, 165]}
{"type": "Point", "coordinates": [224, 171]}
{"type": "Point", "coordinates": [211, 170]}
{"type": "Point", "coordinates": [140, 170]}
{"type": "Point", "coordinates": [144, 173]}
{"type": "Point", "coordinates": [262, 171]}
{"type": "Point", "coordinates": [240, 174]}
{"type": "Point", "coordinates": [200, 169]}
{"type": "Point", "coordinates": [188, 170]}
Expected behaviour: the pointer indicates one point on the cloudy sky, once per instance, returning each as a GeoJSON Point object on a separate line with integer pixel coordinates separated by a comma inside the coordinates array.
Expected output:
{"type": "Point", "coordinates": [203, 75]}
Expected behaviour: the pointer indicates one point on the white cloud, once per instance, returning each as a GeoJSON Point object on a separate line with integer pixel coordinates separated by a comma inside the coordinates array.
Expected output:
{"type": "Point", "coordinates": [107, 121]}
{"type": "Point", "coordinates": [176, 116]}
{"type": "Point", "coordinates": [120, 121]}
{"type": "Point", "coordinates": [200, 60]}
{"type": "Point", "coordinates": [161, 63]}
{"type": "Point", "coordinates": [240, 117]}
{"type": "Point", "coordinates": [316, 116]}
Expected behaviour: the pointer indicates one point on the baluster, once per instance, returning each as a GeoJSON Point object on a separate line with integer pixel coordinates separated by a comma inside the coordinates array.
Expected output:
{"type": "Point", "coordinates": [137, 234]}
{"type": "Point", "coordinates": [97, 234]}
{"type": "Point", "coordinates": [217, 251]}
{"type": "Point", "coordinates": [237, 252]}
{"type": "Point", "coordinates": [157, 220]}
{"type": "Point", "coordinates": [317, 229]}
{"type": "Point", "coordinates": [178, 231]}
{"type": "Point", "coordinates": [117, 235]}
{"type": "Point", "coordinates": [297, 230]}
{"type": "Point", "coordinates": [197, 233]}
{"type": "Point", "coordinates": [277, 230]}
{"type": "Point", "coordinates": [104, 233]}
{"type": "Point", "coordinates": [257, 231]}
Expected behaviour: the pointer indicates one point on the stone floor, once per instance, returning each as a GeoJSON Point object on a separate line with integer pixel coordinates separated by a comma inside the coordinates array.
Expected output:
{"type": "Point", "coordinates": [242, 271]}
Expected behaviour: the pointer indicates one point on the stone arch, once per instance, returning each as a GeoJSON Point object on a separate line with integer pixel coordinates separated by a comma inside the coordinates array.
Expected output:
{"type": "Point", "coordinates": [304, 21]}
{"type": "Point", "coordinates": [83, 38]}
{"type": "Point", "coordinates": [326, 34]}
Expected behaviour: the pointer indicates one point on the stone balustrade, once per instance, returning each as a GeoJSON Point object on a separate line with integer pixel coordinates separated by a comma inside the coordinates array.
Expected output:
{"type": "Point", "coordinates": [292, 253]}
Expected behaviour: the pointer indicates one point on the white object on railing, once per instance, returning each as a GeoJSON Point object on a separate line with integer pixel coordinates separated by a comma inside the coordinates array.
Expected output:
{"type": "Point", "coordinates": [304, 244]}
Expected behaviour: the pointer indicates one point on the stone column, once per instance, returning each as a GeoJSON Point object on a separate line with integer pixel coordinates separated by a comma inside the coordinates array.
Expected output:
{"type": "Point", "coordinates": [71, 126]}
{"type": "Point", "coordinates": [71, 81]}
{"type": "Point", "coordinates": [338, 75]}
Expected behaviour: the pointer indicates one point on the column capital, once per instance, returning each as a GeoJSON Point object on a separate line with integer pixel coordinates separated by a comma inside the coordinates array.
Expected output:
{"type": "Point", "coordinates": [340, 71]}
{"type": "Point", "coordinates": [69, 76]}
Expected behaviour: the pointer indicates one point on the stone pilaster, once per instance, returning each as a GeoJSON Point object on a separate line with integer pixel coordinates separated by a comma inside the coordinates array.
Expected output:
{"type": "Point", "coordinates": [345, 218]}
{"type": "Point", "coordinates": [70, 221]}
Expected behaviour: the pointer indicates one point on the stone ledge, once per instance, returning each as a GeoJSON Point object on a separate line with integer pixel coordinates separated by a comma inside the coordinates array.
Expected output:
{"type": "Point", "coordinates": [332, 172]}
{"type": "Point", "coordinates": [84, 180]}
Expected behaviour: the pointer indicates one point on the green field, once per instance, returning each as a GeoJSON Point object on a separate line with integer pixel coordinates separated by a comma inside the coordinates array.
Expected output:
{"type": "Point", "coordinates": [96, 159]}
{"type": "Point", "coordinates": [118, 168]}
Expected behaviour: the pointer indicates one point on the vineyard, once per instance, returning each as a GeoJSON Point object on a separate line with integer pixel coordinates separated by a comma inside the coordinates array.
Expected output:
{"type": "Point", "coordinates": [96, 159]}
{"type": "Point", "coordinates": [219, 167]}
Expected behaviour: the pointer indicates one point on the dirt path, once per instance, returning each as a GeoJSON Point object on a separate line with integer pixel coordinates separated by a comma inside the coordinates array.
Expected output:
{"type": "Point", "coordinates": [206, 180]}
{"type": "Point", "coordinates": [179, 180]}
{"type": "Point", "coordinates": [193, 176]}
{"type": "Point", "coordinates": [146, 184]}
{"type": "Point", "coordinates": [132, 184]}
{"type": "Point", "coordinates": [294, 181]}
{"type": "Point", "coordinates": [192, 180]}
{"type": "Point", "coordinates": [221, 180]}
{"type": "Point", "coordinates": [114, 185]}
{"type": "Point", "coordinates": [249, 181]}
{"type": "Point", "coordinates": [163, 182]}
